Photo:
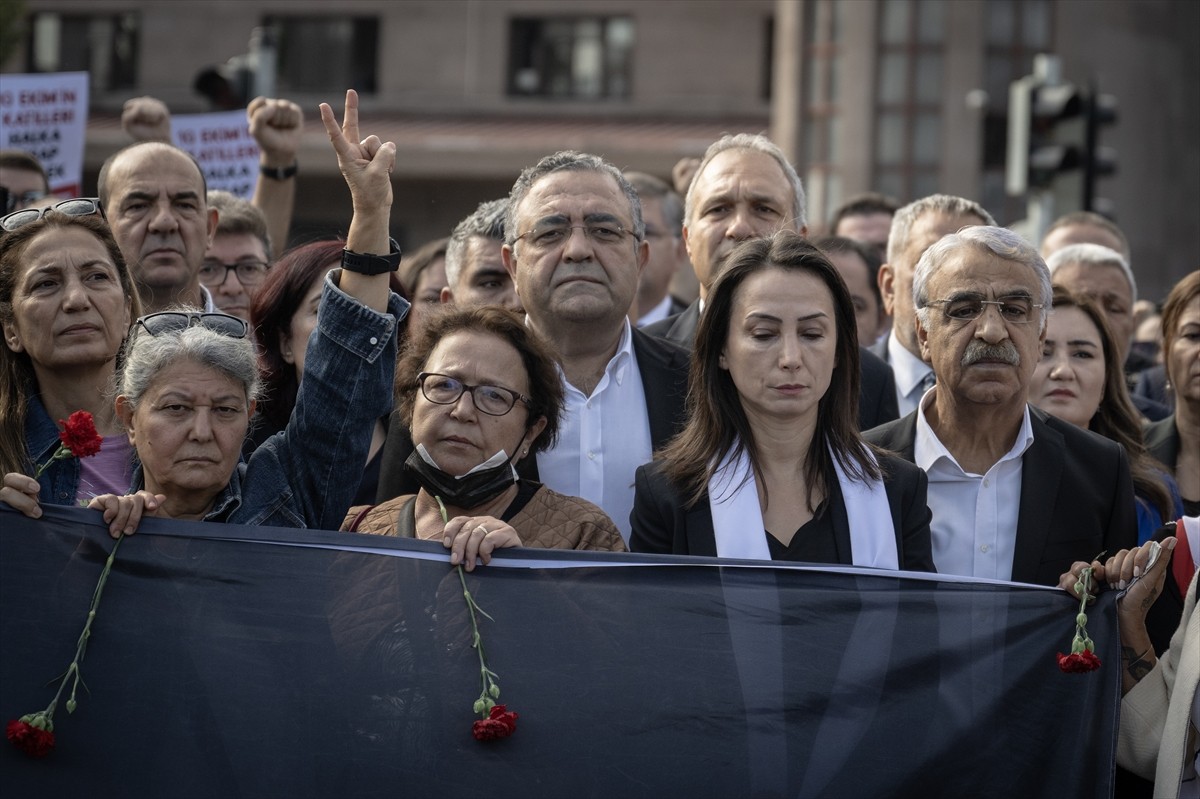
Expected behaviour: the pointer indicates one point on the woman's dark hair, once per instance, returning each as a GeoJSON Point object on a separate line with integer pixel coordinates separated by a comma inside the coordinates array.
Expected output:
{"type": "Point", "coordinates": [16, 369]}
{"type": "Point", "coordinates": [1116, 419]}
{"type": "Point", "coordinates": [271, 312]}
{"type": "Point", "coordinates": [420, 260]}
{"type": "Point", "coordinates": [545, 387]}
{"type": "Point", "coordinates": [717, 424]}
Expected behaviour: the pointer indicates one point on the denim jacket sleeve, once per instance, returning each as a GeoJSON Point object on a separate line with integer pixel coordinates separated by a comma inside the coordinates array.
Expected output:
{"type": "Point", "coordinates": [307, 475]}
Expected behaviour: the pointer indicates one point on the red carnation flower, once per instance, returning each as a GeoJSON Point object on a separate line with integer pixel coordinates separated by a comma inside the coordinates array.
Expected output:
{"type": "Point", "coordinates": [79, 435]}
{"type": "Point", "coordinates": [29, 739]}
{"type": "Point", "coordinates": [500, 723]}
{"type": "Point", "coordinates": [1078, 662]}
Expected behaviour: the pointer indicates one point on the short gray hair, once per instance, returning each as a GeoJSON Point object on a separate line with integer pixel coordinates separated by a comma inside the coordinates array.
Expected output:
{"type": "Point", "coordinates": [649, 187]}
{"type": "Point", "coordinates": [948, 204]}
{"type": "Point", "coordinates": [997, 241]}
{"type": "Point", "coordinates": [146, 356]}
{"type": "Point", "coordinates": [1091, 255]}
{"type": "Point", "coordinates": [487, 221]}
{"type": "Point", "coordinates": [569, 161]}
{"type": "Point", "coordinates": [757, 143]}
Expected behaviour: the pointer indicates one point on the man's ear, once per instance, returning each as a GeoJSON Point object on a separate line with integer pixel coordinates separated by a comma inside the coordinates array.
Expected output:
{"type": "Point", "coordinates": [447, 296]}
{"type": "Point", "coordinates": [509, 258]}
{"type": "Point", "coordinates": [887, 288]}
{"type": "Point", "coordinates": [213, 215]}
{"type": "Point", "coordinates": [923, 340]}
{"type": "Point", "coordinates": [643, 255]}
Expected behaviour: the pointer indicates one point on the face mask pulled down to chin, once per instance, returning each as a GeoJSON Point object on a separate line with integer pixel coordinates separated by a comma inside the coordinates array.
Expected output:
{"type": "Point", "coordinates": [480, 485]}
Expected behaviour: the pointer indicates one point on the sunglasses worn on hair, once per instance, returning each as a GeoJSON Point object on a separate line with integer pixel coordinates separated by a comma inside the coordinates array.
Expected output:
{"type": "Point", "coordinates": [157, 324]}
{"type": "Point", "coordinates": [80, 206]}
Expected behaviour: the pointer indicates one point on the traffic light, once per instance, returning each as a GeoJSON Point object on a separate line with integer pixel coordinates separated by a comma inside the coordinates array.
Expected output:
{"type": "Point", "coordinates": [1055, 143]}
{"type": "Point", "coordinates": [1098, 161]}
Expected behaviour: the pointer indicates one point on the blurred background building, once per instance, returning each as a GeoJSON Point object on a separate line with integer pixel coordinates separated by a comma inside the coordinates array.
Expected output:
{"type": "Point", "coordinates": [906, 97]}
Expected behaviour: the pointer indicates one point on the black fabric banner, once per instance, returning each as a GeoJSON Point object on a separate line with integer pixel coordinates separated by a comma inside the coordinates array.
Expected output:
{"type": "Point", "coordinates": [242, 661]}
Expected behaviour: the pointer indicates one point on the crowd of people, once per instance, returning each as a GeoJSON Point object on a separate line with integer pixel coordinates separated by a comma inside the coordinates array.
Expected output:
{"type": "Point", "coordinates": [916, 389]}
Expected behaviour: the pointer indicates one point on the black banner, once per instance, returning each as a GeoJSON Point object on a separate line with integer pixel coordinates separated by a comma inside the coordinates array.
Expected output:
{"type": "Point", "coordinates": [245, 661]}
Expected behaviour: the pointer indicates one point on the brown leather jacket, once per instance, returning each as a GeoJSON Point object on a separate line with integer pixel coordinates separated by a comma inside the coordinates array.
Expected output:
{"type": "Point", "coordinates": [549, 520]}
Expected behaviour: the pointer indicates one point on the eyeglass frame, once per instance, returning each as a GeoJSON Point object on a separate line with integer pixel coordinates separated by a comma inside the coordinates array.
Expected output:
{"type": "Point", "coordinates": [233, 268]}
{"type": "Point", "coordinates": [195, 319]}
{"type": "Point", "coordinates": [517, 396]}
{"type": "Point", "coordinates": [96, 209]}
{"type": "Point", "coordinates": [617, 227]}
{"type": "Point", "coordinates": [983, 303]}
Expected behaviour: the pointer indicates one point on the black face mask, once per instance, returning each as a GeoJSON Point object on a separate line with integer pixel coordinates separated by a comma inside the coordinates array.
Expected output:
{"type": "Point", "coordinates": [469, 491]}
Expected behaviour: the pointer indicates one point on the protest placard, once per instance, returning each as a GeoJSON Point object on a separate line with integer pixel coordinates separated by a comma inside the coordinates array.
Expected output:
{"type": "Point", "coordinates": [46, 115]}
{"type": "Point", "coordinates": [221, 143]}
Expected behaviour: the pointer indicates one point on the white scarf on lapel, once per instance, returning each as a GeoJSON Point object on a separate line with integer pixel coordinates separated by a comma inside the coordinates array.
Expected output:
{"type": "Point", "coordinates": [740, 532]}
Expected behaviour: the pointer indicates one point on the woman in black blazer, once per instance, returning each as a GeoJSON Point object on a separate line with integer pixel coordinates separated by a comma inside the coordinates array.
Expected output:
{"type": "Point", "coordinates": [771, 464]}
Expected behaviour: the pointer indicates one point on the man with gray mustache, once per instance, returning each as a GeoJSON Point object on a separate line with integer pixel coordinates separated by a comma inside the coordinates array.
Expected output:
{"type": "Point", "coordinates": [1015, 493]}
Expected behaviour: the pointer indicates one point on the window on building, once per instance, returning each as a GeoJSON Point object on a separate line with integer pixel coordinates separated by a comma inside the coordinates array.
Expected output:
{"type": "Point", "coordinates": [103, 45]}
{"type": "Point", "coordinates": [1017, 30]}
{"type": "Point", "coordinates": [324, 54]}
{"type": "Point", "coordinates": [577, 58]}
{"type": "Point", "coordinates": [912, 35]}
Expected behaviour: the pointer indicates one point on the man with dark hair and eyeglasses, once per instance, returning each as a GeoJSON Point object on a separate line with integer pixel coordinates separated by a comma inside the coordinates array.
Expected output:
{"type": "Point", "coordinates": [1016, 494]}
{"type": "Point", "coordinates": [236, 262]}
{"type": "Point", "coordinates": [574, 248]}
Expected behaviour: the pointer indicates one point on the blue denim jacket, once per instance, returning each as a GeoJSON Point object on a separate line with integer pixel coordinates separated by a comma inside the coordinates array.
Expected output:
{"type": "Point", "coordinates": [307, 474]}
{"type": "Point", "coordinates": [61, 479]}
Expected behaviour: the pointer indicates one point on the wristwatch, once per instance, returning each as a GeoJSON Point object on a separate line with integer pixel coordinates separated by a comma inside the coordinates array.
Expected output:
{"type": "Point", "coordinates": [368, 264]}
{"type": "Point", "coordinates": [279, 172]}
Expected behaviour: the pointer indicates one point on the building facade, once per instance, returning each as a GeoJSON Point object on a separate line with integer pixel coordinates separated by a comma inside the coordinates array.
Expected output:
{"type": "Point", "coordinates": [906, 97]}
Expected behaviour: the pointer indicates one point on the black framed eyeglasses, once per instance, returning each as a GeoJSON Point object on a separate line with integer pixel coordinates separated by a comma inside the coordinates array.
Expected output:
{"type": "Point", "coordinates": [80, 206]}
{"type": "Point", "coordinates": [156, 324]}
{"type": "Point", "coordinates": [446, 390]}
{"type": "Point", "coordinates": [548, 236]}
{"type": "Point", "coordinates": [967, 308]}
{"type": "Point", "coordinates": [249, 273]}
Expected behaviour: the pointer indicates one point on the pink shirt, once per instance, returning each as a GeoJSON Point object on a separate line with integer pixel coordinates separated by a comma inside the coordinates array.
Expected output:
{"type": "Point", "coordinates": [108, 472]}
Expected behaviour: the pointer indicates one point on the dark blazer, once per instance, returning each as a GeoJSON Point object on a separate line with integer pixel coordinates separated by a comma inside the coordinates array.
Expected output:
{"type": "Point", "coordinates": [1076, 495]}
{"type": "Point", "coordinates": [663, 368]}
{"type": "Point", "coordinates": [661, 524]}
{"type": "Point", "coordinates": [877, 387]}
{"type": "Point", "coordinates": [1162, 441]}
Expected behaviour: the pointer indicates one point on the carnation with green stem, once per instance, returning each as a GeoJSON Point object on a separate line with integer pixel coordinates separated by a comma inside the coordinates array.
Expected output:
{"type": "Point", "coordinates": [1083, 655]}
{"type": "Point", "coordinates": [495, 721]}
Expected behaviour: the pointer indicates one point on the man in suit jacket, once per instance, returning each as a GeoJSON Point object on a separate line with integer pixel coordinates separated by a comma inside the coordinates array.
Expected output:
{"type": "Point", "coordinates": [1015, 494]}
{"type": "Point", "coordinates": [745, 188]}
{"type": "Point", "coordinates": [662, 211]}
{"type": "Point", "coordinates": [915, 227]}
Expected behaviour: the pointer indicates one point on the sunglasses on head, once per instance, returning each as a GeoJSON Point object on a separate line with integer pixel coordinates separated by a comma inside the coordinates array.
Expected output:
{"type": "Point", "coordinates": [156, 324]}
{"type": "Point", "coordinates": [80, 206]}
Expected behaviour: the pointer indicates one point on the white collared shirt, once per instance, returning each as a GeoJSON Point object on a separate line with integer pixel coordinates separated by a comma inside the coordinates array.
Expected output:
{"type": "Point", "coordinates": [974, 526]}
{"type": "Point", "coordinates": [658, 312]}
{"type": "Point", "coordinates": [909, 372]}
{"type": "Point", "coordinates": [602, 439]}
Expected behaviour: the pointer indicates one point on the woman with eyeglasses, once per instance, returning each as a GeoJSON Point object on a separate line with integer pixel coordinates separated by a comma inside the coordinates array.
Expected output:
{"type": "Point", "coordinates": [480, 391]}
{"type": "Point", "coordinates": [770, 464]}
{"type": "Point", "coordinates": [1080, 380]}
{"type": "Point", "coordinates": [189, 382]}
{"type": "Point", "coordinates": [66, 302]}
